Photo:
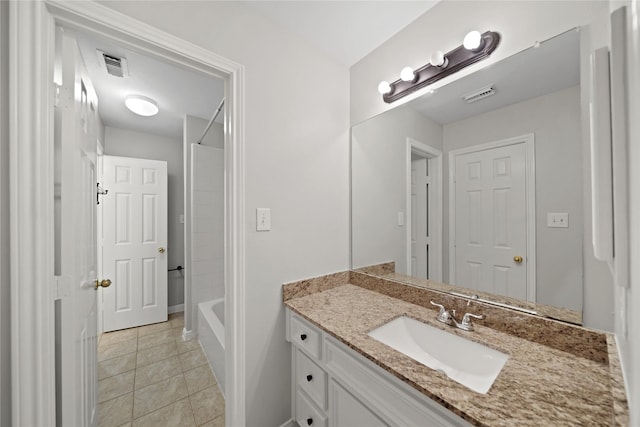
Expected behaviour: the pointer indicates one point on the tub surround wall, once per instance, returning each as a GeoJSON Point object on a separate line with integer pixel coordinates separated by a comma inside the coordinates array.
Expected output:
{"type": "Point", "coordinates": [578, 366]}
{"type": "Point", "coordinates": [207, 227]}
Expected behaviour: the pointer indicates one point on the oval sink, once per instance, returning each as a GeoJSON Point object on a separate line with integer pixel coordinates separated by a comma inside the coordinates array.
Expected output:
{"type": "Point", "coordinates": [467, 362]}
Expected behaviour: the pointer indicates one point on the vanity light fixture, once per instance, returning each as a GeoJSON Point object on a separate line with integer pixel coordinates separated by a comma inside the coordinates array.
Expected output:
{"type": "Point", "coordinates": [475, 47]}
{"type": "Point", "coordinates": [141, 105]}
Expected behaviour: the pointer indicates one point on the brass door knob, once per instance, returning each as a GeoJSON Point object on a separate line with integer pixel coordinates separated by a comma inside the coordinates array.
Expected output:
{"type": "Point", "coordinates": [517, 259]}
{"type": "Point", "coordinates": [105, 283]}
{"type": "Point", "coordinates": [161, 250]}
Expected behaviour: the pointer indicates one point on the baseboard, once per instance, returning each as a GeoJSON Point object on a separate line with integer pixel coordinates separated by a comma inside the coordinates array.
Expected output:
{"type": "Point", "coordinates": [175, 308]}
{"type": "Point", "coordinates": [289, 423]}
{"type": "Point", "coordinates": [187, 335]}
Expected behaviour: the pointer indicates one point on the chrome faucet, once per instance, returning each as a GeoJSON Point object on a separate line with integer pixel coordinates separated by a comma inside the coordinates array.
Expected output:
{"type": "Point", "coordinates": [449, 318]}
{"type": "Point", "coordinates": [444, 316]}
{"type": "Point", "coordinates": [466, 324]}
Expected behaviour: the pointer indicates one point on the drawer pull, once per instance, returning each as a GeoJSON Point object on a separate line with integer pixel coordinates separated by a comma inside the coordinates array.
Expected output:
{"type": "Point", "coordinates": [309, 421]}
{"type": "Point", "coordinates": [309, 378]}
{"type": "Point", "coordinates": [303, 337]}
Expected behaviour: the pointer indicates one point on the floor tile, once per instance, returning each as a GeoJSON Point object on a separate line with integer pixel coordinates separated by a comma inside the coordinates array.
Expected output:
{"type": "Point", "coordinates": [158, 395]}
{"type": "Point", "coordinates": [199, 378]}
{"type": "Point", "coordinates": [119, 349]}
{"type": "Point", "coordinates": [152, 329]}
{"type": "Point", "coordinates": [192, 359]}
{"type": "Point", "coordinates": [152, 340]}
{"type": "Point", "coordinates": [178, 315]}
{"type": "Point", "coordinates": [207, 405]}
{"type": "Point", "coordinates": [218, 422]}
{"type": "Point", "coordinates": [110, 338]}
{"type": "Point", "coordinates": [116, 365]}
{"type": "Point", "coordinates": [177, 322]}
{"type": "Point", "coordinates": [116, 412]}
{"type": "Point", "coordinates": [158, 371]}
{"type": "Point", "coordinates": [154, 357]}
{"type": "Point", "coordinates": [115, 386]}
{"type": "Point", "coordinates": [176, 414]}
{"type": "Point", "coordinates": [154, 354]}
{"type": "Point", "coordinates": [185, 346]}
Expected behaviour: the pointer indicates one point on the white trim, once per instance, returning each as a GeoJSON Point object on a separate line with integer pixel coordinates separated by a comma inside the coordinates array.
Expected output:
{"type": "Point", "coordinates": [530, 180]}
{"type": "Point", "coordinates": [178, 308]}
{"type": "Point", "coordinates": [187, 335]}
{"type": "Point", "coordinates": [31, 35]}
{"type": "Point", "coordinates": [31, 129]}
{"type": "Point", "coordinates": [432, 153]}
{"type": "Point", "coordinates": [289, 423]}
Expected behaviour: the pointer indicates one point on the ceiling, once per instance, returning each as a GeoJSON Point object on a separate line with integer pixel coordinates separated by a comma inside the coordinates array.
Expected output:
{"type": "Point", "coordinates": [345, 30]}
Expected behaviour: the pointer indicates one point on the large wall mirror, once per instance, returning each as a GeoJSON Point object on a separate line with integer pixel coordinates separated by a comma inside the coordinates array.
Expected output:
{"type": "Point", "coordinates": [477, 187]}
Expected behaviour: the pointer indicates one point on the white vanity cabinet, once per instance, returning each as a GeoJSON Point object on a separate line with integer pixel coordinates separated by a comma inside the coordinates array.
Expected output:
{"type": "Point", "coordinates": [334, 386]}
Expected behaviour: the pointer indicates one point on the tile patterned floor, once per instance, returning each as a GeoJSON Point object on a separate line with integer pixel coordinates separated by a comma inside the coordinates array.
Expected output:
{"type": "Point", "coordinates": [149, 376]}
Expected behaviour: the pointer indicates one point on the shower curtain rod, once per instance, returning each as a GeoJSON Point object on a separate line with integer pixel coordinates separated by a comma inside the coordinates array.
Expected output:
{"type": "Point", "coordinates": [215, 116]}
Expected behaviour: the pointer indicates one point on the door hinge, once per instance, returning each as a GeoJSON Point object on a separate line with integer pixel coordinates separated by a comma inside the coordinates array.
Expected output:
{"type": "Point", "coordinates": [60, 287]}
{"type": "Point", "coordinates": [56, 95]}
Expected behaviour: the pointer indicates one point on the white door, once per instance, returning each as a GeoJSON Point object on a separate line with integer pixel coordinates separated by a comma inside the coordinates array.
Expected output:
{"type": "Point", "coordinates": [134, 242]}
{"type": "Point", "coordinates": [76, 138]}
{"type": "Point", "coordinates": [419, 218]}
{"type": "Point", "coordinates": [491, 220]}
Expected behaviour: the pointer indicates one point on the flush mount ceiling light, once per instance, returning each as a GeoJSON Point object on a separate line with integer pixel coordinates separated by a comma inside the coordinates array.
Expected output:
{"type": "Point", "coordinates": [475, 47]}
{"type": "Point", "coordinates": [141, 105]}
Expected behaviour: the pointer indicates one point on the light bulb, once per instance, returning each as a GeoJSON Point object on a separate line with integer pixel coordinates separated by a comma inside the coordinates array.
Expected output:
{"type": "Point", "coordinates": [473, 40]}
{"type": "Point", "coordinates": [407, 74]}
{"type": "Point", "coordinates": [438, 59]}
{"type": "Point", "coordinates": [141, 105]}
{"type": "Point", "coordinates": [384, 87]}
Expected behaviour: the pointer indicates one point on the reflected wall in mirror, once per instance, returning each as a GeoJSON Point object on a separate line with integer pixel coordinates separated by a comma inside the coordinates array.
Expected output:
{"type": "Point", "coordinates": [486, 195]}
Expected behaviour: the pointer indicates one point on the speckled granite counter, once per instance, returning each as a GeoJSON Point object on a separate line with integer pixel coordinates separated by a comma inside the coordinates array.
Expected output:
{"type": "Point", "coordinates": [557, 374]}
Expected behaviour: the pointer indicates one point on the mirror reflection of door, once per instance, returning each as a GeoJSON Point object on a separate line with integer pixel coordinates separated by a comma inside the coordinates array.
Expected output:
{"type": "Point", "coordinates": [424, 226]}
{"type": "Point", "coordinates": [492, 219]}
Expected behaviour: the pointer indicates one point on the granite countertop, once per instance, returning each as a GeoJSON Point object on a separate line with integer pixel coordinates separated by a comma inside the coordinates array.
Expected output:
{"type": "Point", "coordinates": [538, 385]}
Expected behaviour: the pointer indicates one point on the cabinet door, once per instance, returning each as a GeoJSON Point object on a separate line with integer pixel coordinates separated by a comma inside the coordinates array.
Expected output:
{"type": "Point", "coordinates": [347, 411]}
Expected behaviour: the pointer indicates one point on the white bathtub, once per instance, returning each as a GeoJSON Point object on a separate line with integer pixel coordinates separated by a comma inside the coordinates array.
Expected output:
{"type": "Point", "coordinates": [211, 336]}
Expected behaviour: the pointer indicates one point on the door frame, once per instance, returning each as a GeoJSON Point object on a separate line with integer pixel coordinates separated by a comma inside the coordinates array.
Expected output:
{"type": "Point", "coordinates": [33, 288]}
{"type": "Point", "coordinates": [431, 153]}
{"type": "Point", "coordinates": [530, 179]}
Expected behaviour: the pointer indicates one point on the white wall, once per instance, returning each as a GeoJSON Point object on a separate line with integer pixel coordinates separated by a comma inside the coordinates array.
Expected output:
{"type": "Point", "coordinates": [5, 284]}
{"type": "Point", "coordinates": [297, 162]}
{"type": "Point", "coordinates": [443, 27]}
{"type": "Point", "coordinates": [379, 184]}
{"type": "Point", "coordinates": [128, 143]}
{"type": "Point", "coordinates": [627, 301]}
{"type": "Point", "coordinates": [554, 119]}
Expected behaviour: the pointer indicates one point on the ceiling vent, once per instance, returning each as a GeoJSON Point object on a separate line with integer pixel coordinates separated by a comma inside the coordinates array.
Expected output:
{"type": "Point", "coordinates": [115, 66]}
{"type": "Point", "coordinates": [479, 94]}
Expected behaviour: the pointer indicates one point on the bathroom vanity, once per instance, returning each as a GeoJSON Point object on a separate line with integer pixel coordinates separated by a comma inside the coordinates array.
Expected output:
{"type": "Point", "coordinates": [555, 374]}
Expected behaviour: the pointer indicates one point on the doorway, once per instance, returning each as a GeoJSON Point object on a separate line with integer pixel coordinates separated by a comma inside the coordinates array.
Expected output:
{"type": "Point", "coordinates": [33, 151]}
{"type": "Point", "coordinates": [424, 210]}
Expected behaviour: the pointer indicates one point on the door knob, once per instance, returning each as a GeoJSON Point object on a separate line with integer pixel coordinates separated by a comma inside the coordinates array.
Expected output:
{"type": "Point", "coordinates": [161, 250]}
{"type": "Point", "coordinates": [517, 259]}
{"type": "Point", "coordinates": [105, 283]}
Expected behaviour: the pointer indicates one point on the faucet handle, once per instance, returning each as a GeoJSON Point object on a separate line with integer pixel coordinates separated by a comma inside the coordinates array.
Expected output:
{"type": "Point", "coordinates": [442, 309]}
{"type": "Point", "coordinates": [444, 315]}
{"type": "Point", "coordinates": [466, 324]}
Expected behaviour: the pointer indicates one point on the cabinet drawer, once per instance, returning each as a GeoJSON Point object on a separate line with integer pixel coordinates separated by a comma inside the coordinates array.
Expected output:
{"type": "Point", "coordinates": [306, 337]}
{"type": "Point", "coordinates": [307, 414]}
{"type": "Point", "coordinates": [312, 379]}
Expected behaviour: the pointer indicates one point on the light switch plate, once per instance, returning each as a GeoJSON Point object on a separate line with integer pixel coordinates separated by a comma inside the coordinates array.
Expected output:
{"type": "Point", "coordinates": [558, 220]}
{"type": "Point", "coordinates": [263, 219]}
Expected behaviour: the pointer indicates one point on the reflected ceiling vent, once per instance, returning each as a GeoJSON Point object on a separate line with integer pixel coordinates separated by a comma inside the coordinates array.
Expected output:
{"type": "Point", "coordinates": [116, 66]}
{"type": "Point", "coordinates": [479, 94]}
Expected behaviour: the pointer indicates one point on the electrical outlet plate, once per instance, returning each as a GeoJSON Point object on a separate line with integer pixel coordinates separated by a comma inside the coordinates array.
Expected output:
{"type": "Point", "coordinates": [558, 220]}
{"type": "Point", "coordinates": [263, 219]}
